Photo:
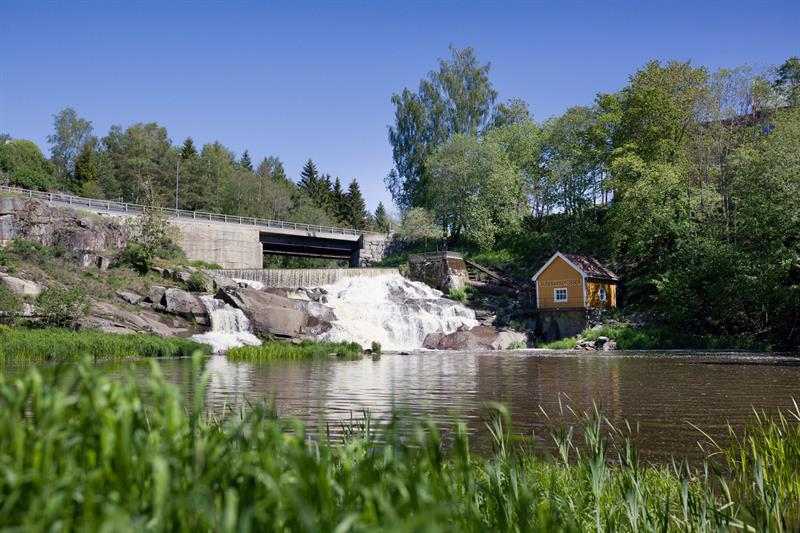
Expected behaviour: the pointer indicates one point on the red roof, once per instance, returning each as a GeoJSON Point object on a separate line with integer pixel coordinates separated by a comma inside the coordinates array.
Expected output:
{"type": "Point", "coordinates": [591, 267]}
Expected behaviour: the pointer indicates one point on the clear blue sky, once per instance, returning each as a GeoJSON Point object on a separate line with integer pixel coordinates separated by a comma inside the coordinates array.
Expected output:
{"type": "Point", "coordinates": [301, 80]}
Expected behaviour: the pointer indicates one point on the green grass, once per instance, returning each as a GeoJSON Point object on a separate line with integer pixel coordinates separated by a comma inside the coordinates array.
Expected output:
{"type": "Point", "coordinates": [657, 338]}
{"type": "Point", "coordinates": [458, 294]}
{"type": "Point", "coordinates": [37, 345]}
{"type": "Point", "coordinates": [98, 454]}
{"type": "Point", "coordinates": [277, 350]}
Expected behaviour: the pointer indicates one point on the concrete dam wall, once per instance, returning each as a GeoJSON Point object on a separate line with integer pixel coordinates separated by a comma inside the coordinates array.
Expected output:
{"type": "Point", "coordinates": [303, 277]}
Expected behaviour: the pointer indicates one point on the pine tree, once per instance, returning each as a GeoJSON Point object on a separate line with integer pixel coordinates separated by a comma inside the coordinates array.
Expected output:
{"type": "Point", "coordinates": [188, 151]}
{"type": "Point", "coordinates": [339, 200]}
{"type": "Point", "coordinates": [245, 162]}
{"type": "Point", "coordinates": [356, 207]}
{"type": "Point", "coordinates": [324, 199]}
{"type": "Point", "coordinates": [309, 179]}
{"type": "Point", "coordinates": [381, 218]}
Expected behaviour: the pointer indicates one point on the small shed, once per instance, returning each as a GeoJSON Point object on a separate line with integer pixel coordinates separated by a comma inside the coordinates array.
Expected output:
{"type": "Point", "coordinates": [568, 281]}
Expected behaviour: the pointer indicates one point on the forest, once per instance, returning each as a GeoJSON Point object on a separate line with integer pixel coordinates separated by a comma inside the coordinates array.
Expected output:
{"type": "Point", "coordinates": [685, 181]}
{"type": "Point", "coordinates": [140, 164]}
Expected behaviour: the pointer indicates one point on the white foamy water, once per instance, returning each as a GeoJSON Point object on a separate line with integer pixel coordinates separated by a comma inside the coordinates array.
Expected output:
{"type": "Point", "coordinates": [257, 285]}
{"type": "Point", "coordinates": [392, 310]}
{"type": "Point", "coordinates": [229, 327]}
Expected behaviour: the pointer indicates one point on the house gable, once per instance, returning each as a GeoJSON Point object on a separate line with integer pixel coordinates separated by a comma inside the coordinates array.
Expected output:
{"type": "Point", "coordinates": [560, 284]}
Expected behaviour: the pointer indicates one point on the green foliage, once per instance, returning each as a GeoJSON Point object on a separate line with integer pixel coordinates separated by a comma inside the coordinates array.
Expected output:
{"type": "Point", "coordinates": [658, 338]}
{"type": "Point", "coordinates": [61, 308]}
{"type": "Point", "coordinates": [376, 347]}
{"type": "Point", "coordinates": [196, 282]}
{"type": "Point", "coordinates": [458, 294]}
{"type": "Point", "coordinates": [10, 305]}
{"type": "Point", "coordinates": [196, 263]}
{"type": "Point", "coordinates": [59, 345]}
{"type": "Point", "coordinates": [382, 222]}
{"type": "Point", "coordinates": [137, 257]}
{"type": "Point", "coordinates": [517, 345]}
{"type": "Point", "coordinates": [419, 225]}
{"type": "Point", "coordinates": [456, 99]}
{"type": "Point", "coordinates": [142, 457]}
{"type": "Point", "coordinates": [70, 133]}
{"type": "Point", "coordinates": [25, 166]}
{"type": "Point", "coordinates": [279, 350]}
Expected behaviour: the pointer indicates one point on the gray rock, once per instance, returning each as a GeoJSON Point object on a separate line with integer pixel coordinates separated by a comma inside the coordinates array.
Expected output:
{"type": "Point", "coordinates": [477, 338]}
{"type": "Point", "coordinates": [6, 227]}
{"type": "Point", "coordinates": [185, 304]}
{"type": "Point", "coordinates": [610, 346]}
{"type": "Point", "coordinates": [106, 317]}
{"type": "Point", "coordinates": [156, 295]}
{"type": "Point", "coordinates": [130, 297]}
{"type": "Point", "coordinates": [21, 287]}
{"type": "Point", "coordinates": [276, 314]}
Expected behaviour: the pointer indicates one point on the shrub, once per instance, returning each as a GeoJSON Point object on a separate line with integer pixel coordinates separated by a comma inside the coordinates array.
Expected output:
{"type": "Point", "coordinates": [61, 308]}
{"type": "Point", "coordinates": [197, 263]}
{"type": "Point", "coordinates": [196, 282]}
{"type": "Point", "coordinates": [459, 294]}
{"type": "Point", "coordinates": [376, 347]}
{"type": "Point", "coordinates": [137, 257]}
{"type": "Point", "coordinates": [517, 345]}
{"type": "Point", "coordinates": [10, 305]}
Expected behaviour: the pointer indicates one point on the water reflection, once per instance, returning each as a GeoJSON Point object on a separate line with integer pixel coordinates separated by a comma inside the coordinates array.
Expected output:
{"type": "Point", "coordinates": [661, 393]}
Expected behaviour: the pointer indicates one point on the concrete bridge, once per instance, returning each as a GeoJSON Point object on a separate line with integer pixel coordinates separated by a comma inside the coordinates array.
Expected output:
{"type": "Point", "coordinates": [240, 242]}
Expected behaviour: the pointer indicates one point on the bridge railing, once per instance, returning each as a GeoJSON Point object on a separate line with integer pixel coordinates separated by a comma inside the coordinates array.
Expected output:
{"type": "Point", "coordinates": [125, 207]}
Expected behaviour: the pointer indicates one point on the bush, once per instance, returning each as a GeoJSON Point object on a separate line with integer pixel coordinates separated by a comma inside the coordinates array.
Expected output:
{"type": "Point", "coordinates": [61, 308]}
{"type": "Point", "coordinates": [196, 282]}
{"type": "Point", "coordinates": [376, 347]}
{"type": "Point", "coordinates": [137, 257]}
{"type": "Point", "coordinates": [10, 305]}
{"type": "Point", "coordinates": [517, 345]}
{"type": "Point", "coordinates": [459, 294]}
{"type": "Point", "coordinates": [197, 263]}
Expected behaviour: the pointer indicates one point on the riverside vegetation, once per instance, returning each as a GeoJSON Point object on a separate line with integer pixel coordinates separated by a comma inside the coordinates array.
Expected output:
{"type": "Point", "coordinates": [125, 454]}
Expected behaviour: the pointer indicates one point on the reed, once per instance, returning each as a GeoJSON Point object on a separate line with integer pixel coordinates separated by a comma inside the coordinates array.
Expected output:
{"type": "Point", "coordinates": [89, 453]}
{"type": "Point", "coordinates": [272, 350]}
{"type": "Point", "coordinates": [37, 345]}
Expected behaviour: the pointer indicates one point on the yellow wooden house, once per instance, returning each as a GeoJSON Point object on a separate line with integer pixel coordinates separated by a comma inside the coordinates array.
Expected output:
{"type": "Point", "coordinates": [568, 281]}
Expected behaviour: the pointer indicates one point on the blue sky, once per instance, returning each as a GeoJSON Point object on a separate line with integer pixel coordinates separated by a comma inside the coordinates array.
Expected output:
{"type": "Point", "coordinates": [306, 79]}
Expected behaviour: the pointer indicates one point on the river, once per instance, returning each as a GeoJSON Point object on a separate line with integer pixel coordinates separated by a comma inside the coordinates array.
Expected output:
{"type": "Point", "coordinates": [664, 394]}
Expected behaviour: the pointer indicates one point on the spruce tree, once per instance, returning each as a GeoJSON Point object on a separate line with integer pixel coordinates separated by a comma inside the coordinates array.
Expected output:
{"type": "Point", "coordinates": [188, 150]}
{"type": "Point", "coordinates": [381, 218]}
{"type": "Point", "coordinates": [356, 207]}
{"type": "Point", "coordinates": [309, 179]}
{"type": "Point", "coordinates": [245, 162]}
{"type": "Point", "coordinates": [339, 200]}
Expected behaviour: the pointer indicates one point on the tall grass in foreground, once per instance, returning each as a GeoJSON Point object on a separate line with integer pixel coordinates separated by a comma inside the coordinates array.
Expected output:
{"type": "Point", "coordinates": [37, 345]}
{"type": "Point", "coordinates": [272, 350]}
{"type": "Point", "coordinates": [97, 454]}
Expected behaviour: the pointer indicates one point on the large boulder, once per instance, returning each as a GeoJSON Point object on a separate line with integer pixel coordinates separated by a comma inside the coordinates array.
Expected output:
{"type": "Point", "coordinates": [477, 338]}
{"type": "Point", "coordinates": [21, 287]}
{"type": "Point", "coordinates": [108, 318]}
{"type": "Point", "coordinates": [276, 314]}
{"type": "Point", "coordinates": [184, 304]}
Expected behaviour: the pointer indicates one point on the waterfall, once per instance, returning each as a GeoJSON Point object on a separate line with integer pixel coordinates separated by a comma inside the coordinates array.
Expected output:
{"type": "Point", "coordinates": [229, 326]}
{"type": "Point", "coordinates": [392, 310]}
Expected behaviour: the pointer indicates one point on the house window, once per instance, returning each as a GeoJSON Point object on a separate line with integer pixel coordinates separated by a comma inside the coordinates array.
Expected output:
{"type": "Point", "coordinates": [602, 295]}
{"type": "Point", "coordinates": [560, 295]}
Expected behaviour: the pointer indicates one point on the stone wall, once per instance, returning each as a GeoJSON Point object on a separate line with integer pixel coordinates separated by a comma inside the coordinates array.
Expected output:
{"type": "Point", "coordinates": [377, 247]}
{"type": "Point", "coordinates": [302, 277]}
{"type": "Point", "coordinates": [554, 324]}
{"type": "Point", "coordinates": [443, 271]}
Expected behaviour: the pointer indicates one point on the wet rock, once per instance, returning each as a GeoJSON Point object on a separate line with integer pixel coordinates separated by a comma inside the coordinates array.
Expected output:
{"type": "Point", "coordinates": [268, 313]}
{"type": "Point", "coordinates": [21, 287]}
{"type": "Point", "coordinates": [130, 297]}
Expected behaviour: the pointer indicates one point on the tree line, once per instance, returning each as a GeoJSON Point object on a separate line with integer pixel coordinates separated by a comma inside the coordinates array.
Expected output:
{"type": "Point", "coordinates": [140, 164]}
{"type": "Point", "coordinates": [686, 180]}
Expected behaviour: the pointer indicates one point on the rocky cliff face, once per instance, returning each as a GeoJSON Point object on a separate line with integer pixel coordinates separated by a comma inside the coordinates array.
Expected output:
{"type": "Point", "coordinates": [87, 238]}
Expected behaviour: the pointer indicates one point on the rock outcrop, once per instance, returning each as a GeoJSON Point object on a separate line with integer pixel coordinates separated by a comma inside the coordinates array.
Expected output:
{"type": "Point", "coordinates": [184, 304]}
{"type": "Point", "coordinates": [106, 317]}
{"type": "Point", "coordinates": [477, 338]}
{"type": "Point", "coordinates": [603, 344]}
{"type": "Point", "coordinates": [21, 287]}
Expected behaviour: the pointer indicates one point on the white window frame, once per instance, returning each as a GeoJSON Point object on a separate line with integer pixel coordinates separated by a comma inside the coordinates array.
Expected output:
{"type": "Point", "coordinates": [602, 294]}
{"type": "Point", "coordinates": [556, 299]}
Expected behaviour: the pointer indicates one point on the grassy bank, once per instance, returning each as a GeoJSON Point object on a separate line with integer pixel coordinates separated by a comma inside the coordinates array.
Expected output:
{"type": "Point", "coordinates": [657, 338]}
{"type": "Point", "coordinates": [276, 350]}
{"type": "Point", "coordinates": [18, 344]}
{"type": "Point", "coordinates": [98, 454]}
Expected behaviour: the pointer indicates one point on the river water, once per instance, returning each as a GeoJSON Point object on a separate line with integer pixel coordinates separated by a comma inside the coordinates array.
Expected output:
{"type": "Point", "coordinates": [663, 393]}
